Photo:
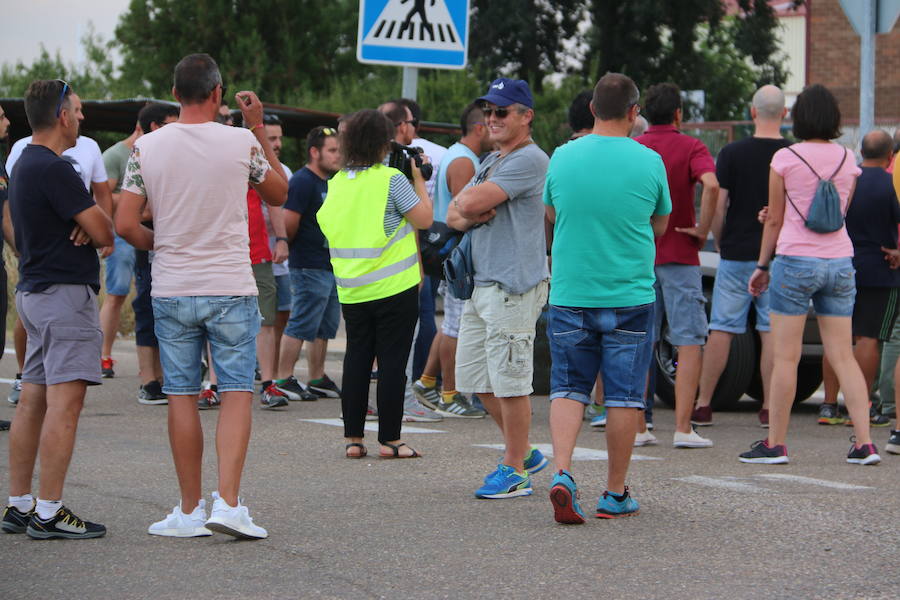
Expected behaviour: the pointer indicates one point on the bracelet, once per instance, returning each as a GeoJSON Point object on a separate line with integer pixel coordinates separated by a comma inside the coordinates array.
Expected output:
{"type": "Point", "coordinates": [257, 126]}
{"type": "Point", "coordinates": [281, 239]}
{"type": "Point", "coordinates": [763, 267]}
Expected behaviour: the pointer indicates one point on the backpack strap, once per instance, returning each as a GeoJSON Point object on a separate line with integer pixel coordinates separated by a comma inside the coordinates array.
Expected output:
{"type": "Point", "coordinates": [843, 160]}
{"type": "Point", "coordinates": [803, 160]}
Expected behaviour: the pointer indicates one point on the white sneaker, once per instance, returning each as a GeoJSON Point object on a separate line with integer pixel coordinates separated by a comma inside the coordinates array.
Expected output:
{"type": "Point", "coordinates": [690, 440]}
{"type": "Point", "coordinates": [645, 439]}
{"type": "Point", "coordinates": [178, 524]}
{"type": "Point", "coordinates": [233, 520]}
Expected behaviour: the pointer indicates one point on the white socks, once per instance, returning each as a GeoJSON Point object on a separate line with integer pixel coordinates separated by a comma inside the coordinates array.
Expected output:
{"type": "Point", "coordinates": [47, 508]}
{"type": "Point", "coordinates": [22, 503]}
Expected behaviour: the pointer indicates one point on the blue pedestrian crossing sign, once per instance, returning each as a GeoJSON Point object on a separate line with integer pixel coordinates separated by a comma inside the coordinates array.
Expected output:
{"type": "Point", "coordinates": [414, 33]}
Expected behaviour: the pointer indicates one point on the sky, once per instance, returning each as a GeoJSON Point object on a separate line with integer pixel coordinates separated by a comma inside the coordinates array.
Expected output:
{"type": "Point", "coordinates": [59, 24]}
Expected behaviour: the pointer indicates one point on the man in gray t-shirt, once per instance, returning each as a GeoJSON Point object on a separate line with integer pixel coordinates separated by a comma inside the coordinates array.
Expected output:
{"type": "Point", "coordinates": [495, 351]}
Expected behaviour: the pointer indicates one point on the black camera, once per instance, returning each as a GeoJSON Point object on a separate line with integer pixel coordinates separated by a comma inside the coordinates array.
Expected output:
{"type": "Point", "coordinates": [402, 157]}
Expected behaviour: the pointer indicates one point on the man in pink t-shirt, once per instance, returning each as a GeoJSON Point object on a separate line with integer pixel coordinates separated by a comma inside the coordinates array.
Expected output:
{"type": "Point", "coordinates": [193, 177]}
{"type": "Point", "coordinates": [678, 283]}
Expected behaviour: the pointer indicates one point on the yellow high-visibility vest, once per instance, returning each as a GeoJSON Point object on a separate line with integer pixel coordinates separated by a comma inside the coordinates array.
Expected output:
{"type": "Point", "coordinates": [367, 264]}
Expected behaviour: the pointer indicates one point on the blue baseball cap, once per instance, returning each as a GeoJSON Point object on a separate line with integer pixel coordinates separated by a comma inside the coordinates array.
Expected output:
{"type": "Point", "coordinates": [504, 92]}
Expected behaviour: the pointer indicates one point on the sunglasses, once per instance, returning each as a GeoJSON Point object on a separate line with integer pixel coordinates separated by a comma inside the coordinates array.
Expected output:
{"type": "Point", "coordinates": [500, 113]}
{"type": "Point", "coordinates": [413, 122]}
{"type": "Point", "coordinates": [62, 96]}
{"type": "Point", "coordinates": [326, 131]}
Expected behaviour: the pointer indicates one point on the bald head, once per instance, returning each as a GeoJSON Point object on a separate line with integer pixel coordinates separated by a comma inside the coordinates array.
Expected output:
{"type": "Point", "coordinates": [877, 145]}
{"type": "Point", "coordinates": [639, 127]}
{"type": "Point", "coordinates": [769, 103]}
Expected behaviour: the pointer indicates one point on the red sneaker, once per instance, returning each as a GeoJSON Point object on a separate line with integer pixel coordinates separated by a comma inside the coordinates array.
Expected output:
{"type": "Point", "coordinates": [702, 416]}
{"type": "Point", "coordinates": [764, 418]}
{"type": "Point", "coordinates": [106, 367]}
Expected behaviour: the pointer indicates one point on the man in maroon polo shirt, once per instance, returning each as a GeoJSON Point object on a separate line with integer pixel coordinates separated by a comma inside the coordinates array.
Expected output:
{"type": "Point", "coordinates": [679, 291]}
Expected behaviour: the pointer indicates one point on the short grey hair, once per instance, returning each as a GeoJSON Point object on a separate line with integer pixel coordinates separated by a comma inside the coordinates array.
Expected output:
{"type": "Point", "coordinates": [769, 102]}
{"type": "Point", "coordinates": [196, 76]}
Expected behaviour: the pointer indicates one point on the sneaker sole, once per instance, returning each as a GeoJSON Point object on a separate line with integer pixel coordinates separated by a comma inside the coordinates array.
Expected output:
{"type": "Point", "coordinates": [563, 508]}
{"type": "Point", "coordinates": [892, 449]}
{"type": "Point", "coordinates": [273, 406]}
{"type": "Point", "coordinates": [146, 402]}
{"type": "Point", "coordinates": [836, 421]}
{"type": "Point", "coordinates": [182, 533]}
{"type": "Point", "coordinates": [425, 401]}
{"type": "Point", "coordinates": [220, 527]}
{"type": "Point", "coordinates": [872, 459]}
{"type": "Point", "coordinates": [603, 515]}
{"type": "Point", "coordinates": [49, 535]}
{"type": "Point", "coordinates": [885, 424]}
{"type": "Point", "coordinates": [764, 425]}
{"type": "Point", "coordinates": [323, 393]}
{"type": "Point", "coordinates": [12, 527]}
{"type": "Point", "coordinates": [522, 492]}
{"type": "Point", "coordinates": [691, 445]}
{"type": "Point", "coordinates": [446, 413]}
{"type": "Point", "coordinates": [702, 423]}
{"type": "Point", "coordinates": [766, 460]}
{"type": "Point", "coordinates": [598, 426]}
{"type": "Point", "coordinates": [646, 443]}
{"type": "Point", "coordinates": [418, 419]}
{"type": "Point", "coordinates": [538, 467]}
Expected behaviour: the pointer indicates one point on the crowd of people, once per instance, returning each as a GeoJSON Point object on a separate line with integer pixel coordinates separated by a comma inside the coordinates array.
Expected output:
{"type": "Point", "coordinates": [238, 263]}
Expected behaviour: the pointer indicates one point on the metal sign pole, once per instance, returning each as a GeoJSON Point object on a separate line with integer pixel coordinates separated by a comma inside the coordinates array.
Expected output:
{"type": "Point", "coordinates": [410, 82]}
{"type": "Point", "coordinates": [867, 68]}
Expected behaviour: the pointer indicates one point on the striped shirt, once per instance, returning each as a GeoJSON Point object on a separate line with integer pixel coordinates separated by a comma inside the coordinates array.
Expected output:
{"type": "Point", "coordinates": [402, 198]}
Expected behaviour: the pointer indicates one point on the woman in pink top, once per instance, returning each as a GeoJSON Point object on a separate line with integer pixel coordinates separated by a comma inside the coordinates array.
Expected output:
{"type": "Point", "coordinates": [810, 266]}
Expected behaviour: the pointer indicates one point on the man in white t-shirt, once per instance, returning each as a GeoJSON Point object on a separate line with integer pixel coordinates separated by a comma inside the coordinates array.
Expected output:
{"type": "Point", "coordinates": [193, 177]}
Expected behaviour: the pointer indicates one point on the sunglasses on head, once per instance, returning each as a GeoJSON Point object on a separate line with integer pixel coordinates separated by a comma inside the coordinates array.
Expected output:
{"type": "Point", "coordinates": [500, 112]}
{"type": "Point", "coordinates": [62, 96]}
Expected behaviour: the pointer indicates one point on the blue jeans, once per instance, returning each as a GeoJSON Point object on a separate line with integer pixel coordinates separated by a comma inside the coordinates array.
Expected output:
{"type": "Point", "coordinates": [144, 334]}
{"type": "Point", "coordinates": [427, 326]}
{"type": "Point", "coordinates": [829, 282]}
{"type": "Point", "coordinates": [185, 323]}
{"type": "Point", "coordinates": [616, 342]}
{"type": "Point", "coordinates": [731, 299]}
{"type": "Point", "coordinates": [315, 310]}
{"type": "Point", "coordinates": [120, 268]}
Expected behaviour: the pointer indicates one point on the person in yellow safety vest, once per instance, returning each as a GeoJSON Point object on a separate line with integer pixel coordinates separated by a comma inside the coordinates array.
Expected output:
{"type": "Point", "coordinates": [370, 217]}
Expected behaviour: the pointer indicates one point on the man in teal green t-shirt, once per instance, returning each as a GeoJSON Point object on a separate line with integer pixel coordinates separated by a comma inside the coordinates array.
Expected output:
{"type": "Point", "coordinates": [607, 196]}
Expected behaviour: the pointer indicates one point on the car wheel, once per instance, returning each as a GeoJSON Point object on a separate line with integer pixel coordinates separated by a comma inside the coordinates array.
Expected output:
{"type": "Point", "coordinates": [809, 379]}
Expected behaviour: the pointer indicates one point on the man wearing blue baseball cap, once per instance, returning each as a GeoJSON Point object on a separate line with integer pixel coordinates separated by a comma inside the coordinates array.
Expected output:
{"type": "Point", "coordinates": [495, 349]}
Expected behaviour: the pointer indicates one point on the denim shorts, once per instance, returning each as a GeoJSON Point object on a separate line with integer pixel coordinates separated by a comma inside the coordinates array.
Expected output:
{"type": "Point", "coordinates": [731, 299]}
{"type": "Point", "coordinates": [615, 342]}
{"type": "Point", "coordinates": [316, 311]}
{"type": "Point", "coordinates": [120, 268]}
{"type": "Point", "coordinates": [829, 282]}
{"type": "Point", "coordinates": [679, 295]}
{"type": "Point", "coordinates": [230, 324]}
{"type": "Point", "coordinates": [283, 292]}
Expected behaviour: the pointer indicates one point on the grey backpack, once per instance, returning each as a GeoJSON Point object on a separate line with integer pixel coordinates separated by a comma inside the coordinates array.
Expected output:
{"type": "Point", "coordinates": [825, 215]}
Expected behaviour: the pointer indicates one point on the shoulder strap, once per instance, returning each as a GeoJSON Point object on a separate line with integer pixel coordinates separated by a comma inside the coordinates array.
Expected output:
{"type": "Point", "coordinates": [807, 164]}
{"type": "Point", "coordinates": [843, 160]}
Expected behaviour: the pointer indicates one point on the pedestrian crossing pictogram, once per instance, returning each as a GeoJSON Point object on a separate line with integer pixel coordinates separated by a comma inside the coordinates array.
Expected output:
{"type": "Point", "coordinates": [430, 33]}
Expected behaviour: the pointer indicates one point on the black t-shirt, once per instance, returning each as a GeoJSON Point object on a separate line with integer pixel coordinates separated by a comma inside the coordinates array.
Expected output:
{"type": "Point", "coordinates": [309, 248]}
{"type": "Point", "coordinates": [44, 196]}
{"type": "Point", "coordinates": [742, 168]}
{"type": "Point", "coordinates": [872, 223]}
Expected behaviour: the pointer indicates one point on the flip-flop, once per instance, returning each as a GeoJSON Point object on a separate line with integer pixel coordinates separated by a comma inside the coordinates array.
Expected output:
{"type": "Point", "coordinates": [396, 451]}
{"type": "Point", "coordinates": [362, 453]}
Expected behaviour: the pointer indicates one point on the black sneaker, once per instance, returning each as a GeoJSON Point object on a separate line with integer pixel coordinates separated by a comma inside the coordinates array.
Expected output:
{"type": "Point", "coordinates": [294, 390]}
{"type": "Point", "coordinates": [830, 414]}
{"type": "Point", "coordinates": [14, 520]}
{"type": "Point", "coordinates": [893, 445]}
{"type": "Point", "coordinates": [324, 387]}
{"type": "Point", "coordinates": [867, 454]}
{"type": "Point", "coordinates": [5, 425]}
{"type": "Point", "coordinates": [152, 394]}
{"type": "Point", "coordinates": [63, 524]}
{"type": "Point", "coordinates": [876, 419]}
{"type": "Point", "coordinates": [762, 454]}
{"type": "Point", "coordinates": [106, 367]}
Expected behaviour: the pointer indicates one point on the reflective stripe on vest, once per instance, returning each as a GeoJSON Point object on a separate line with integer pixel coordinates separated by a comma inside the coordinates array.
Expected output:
{"type": "Point", "coordinates": [402, 232]}
{"type": "Point", "coordinates": [378, 275]}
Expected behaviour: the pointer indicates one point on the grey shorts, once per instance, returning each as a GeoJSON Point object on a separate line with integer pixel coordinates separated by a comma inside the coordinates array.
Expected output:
{"type": "Point", "coordinates": [453, 309]}
{"type": "Point", "coordinates": [64, 336]}
{"type": "Point", "coordinates": [679, 292]}
{"type": "Point", "coordinates": [268, 292]}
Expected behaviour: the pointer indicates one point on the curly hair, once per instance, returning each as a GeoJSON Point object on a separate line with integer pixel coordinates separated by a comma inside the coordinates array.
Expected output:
{"type": "Point", "coordinates": [365, 138]}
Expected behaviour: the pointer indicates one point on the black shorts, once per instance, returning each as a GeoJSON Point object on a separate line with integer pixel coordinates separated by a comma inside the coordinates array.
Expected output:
{"type": "Point", "coordinates": [875, 312]}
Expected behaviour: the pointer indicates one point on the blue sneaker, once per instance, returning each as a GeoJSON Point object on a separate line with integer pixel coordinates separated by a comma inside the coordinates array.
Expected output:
{"type": "Point", "coordinates": [535, 461]}
{"type": "Point", "coordinates": [610, 508]}
{"type": "Point", "coordinates": [505, 483]}
{"type": "Point", "coordinates": [600, 419]}
{"type": "Point", "coordinates": [475, 401]}
{"type": "Point", "coordinates": [564, 497]}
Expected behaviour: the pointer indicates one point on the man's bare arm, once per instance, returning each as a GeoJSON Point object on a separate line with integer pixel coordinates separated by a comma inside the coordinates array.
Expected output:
{"type": "Point", "coordinates": [719, 216]}
{"type": "Point", "coordinates": [659, 223]}
{"type": "Point", "coordinates": [459, 173]}
{"type": "Point", "coordinates": [97, 225]}
{"type": "Point", "coordinates": [128, 221]}
{"type": "Point", "coordinates": [8, 233]}
{"type": "Point", "coordinates": [273, 189]}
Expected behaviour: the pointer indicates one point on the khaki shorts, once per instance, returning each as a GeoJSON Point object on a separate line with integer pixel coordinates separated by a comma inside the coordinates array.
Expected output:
{"type": "Point", "coordinates": [268, 292]}
{"type": "Point", "coordinates": [495, 351]}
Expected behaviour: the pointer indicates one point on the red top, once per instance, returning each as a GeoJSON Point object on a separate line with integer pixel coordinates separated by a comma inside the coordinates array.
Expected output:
{"type": "Point", "coordinates": [259, 237]}
{"type": "Point", "coordinates": [686, 160]}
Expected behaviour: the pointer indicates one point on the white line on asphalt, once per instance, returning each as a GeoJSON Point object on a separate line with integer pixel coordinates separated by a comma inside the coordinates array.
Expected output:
{"type": "Point", "coordinates": [2, 380]}
{"type": "Point", "coordinates": [813, 481]}
{"type": "Point", "coordinates": [578, 454]}
{"type": "Point", "coordinates": [370, 426]}
{"type": "Point", "coordinates": [726, 483]}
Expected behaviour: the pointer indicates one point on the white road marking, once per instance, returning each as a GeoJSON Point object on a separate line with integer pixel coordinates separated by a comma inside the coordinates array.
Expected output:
{"type": "Point", "coordinates": [372, 426]}
{"type": "Point", "coordinates": [2, 380]}
{"type": "Point", "coordinates": [578, 454]}
{"type": "Point", "coordinates": [9, 351]}
{"type": "Point", "coordinates": [813, 481]}
{"type": "Point", "coordinates": [727, 483]}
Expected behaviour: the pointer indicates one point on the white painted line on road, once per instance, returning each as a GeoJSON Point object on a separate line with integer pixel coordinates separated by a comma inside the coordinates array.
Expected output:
{"type": "Point", "coordinates": [372, 426]}
{"type": "Point", "coordinates": [724, 482]}
{"type": "Point", "coordinates": [2, 380]}
{"type": "Point", "coordinates": [813, 481]}
{"type": "Point", "coordinates": [578, 454]}
{"type": "Point", "coordinates": [9, 351]}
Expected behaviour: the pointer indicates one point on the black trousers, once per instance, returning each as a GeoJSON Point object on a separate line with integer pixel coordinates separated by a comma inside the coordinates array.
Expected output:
{"type": "Point", "coordinates": [381, 329]}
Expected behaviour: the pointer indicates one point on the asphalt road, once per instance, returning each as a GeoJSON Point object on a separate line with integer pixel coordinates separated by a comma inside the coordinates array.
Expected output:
{"type": "Point", "coordinates": [709, 526]}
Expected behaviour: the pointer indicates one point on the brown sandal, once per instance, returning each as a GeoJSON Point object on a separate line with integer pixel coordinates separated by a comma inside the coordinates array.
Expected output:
{"type": "Point", "coordinates": [362, 452]}
{"type": "Point", "coordinates": [396, 451]}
